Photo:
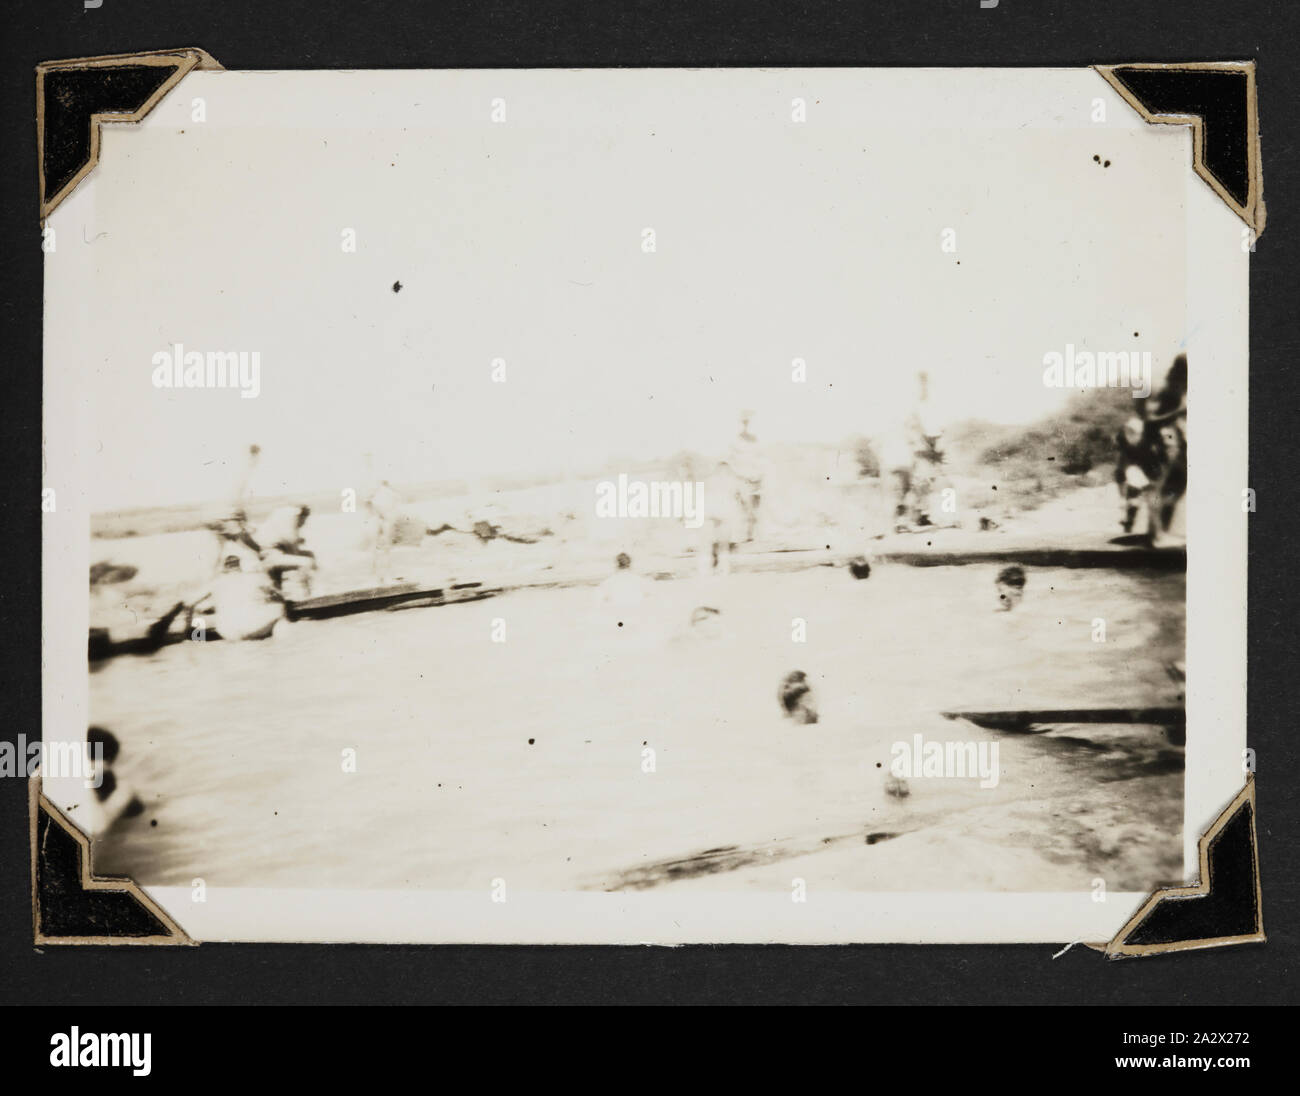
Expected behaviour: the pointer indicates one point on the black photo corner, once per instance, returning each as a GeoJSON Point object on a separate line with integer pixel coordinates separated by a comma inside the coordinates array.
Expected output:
{"type": "Point", "coordinates": [79, 950]}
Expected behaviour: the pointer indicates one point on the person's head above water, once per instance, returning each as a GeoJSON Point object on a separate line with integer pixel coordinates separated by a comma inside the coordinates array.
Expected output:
{"type": "Point", "coordinates": [230, 563]}
{"type": "Point", "coordinates": [1010, 586]}
{"type": "Point", "coordinates": [104, 742]}
{"type": "Point", "coordinates": [623, 560]}
{"type": "Point", "coordinates": [796, 697]}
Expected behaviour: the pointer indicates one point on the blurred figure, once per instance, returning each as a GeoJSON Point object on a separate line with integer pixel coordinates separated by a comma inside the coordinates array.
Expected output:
{"type": "Point", "coordinates": [1170, 403]}
{"type": "Point", "coordinates": [1010, 586]}
{"type": "Point", "coordinates": [796, 698]}
{"type": "Point", "coordinates": [724, 519]}
{"type": "Point", "coordinates": [626, 608]}
{"type": "Point", "coordinates": [235, 539]}
{"type": "Point", "coordinates": [230, 523]}
{"type": "Point", "coordinates": [706, 621]}
{"type": "Point", "coordinates": [624, 589]}
{"type": "Point", "coordinates": [925, 435]}
{"type": "Point", "coordinates": [896, 474]}
{"type": "Point", "coordinates": [113, 798]}
{"type": "Point", "coordinates": [1164, 418]}
{"type": "Point", "coordinates": [1137, 466]}
{"type": "Point", "coordinates": [246, 604]}
{"type": "Point", "coordinates": [384, 506]}
{"type": "Point", "coordinates": [910, 460]}
{"type": "Point", "coordinates": [746, 462]}
{"type": "Point", "coordinates": [105, 573]}
{"type": "Point", "coordinates": [897, 786]}
{"type": "Point", "coordinates": [286, 559]}
{"type": "Point", "coordinates": [244, 483]}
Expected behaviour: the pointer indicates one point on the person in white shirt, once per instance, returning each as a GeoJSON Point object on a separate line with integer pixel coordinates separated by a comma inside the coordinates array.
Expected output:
{"type": "Point", "coordinates": [247, 605]}
{"type": "Point", "coordinates": [746, 462]}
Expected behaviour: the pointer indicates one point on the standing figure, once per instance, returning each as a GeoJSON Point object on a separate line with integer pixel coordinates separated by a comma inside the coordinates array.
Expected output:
{"type": "Point", "coordinates": [910, 460]}
{"type": "Point", "coordinates": [724, 519]}
{"type": "Point", "coordinates": [745, 461]}
{"type": "Point", "coordinates": [285, 556]}
{"type": "Point", "coordinates": [1165, 434]}
{"type": "Point", "coordinates": [384, 506]}
{"type": "Point", "coordinates": [1138, 465]}
{"type": "Point", "coordinates": [925, 435]}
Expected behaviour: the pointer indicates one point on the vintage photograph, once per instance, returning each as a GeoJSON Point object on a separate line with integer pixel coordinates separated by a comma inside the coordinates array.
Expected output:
{"type": "Point", "coordinates": [692, 488]}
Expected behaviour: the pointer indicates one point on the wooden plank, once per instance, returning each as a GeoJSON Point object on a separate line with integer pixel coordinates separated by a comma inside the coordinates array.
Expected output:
{"type": "Point", "coordinates": [347, 597]}
{"type": "Point", "coordinates": [102, 645]}
{"type": "Point", "coordinates": [403, 596]}
{"type": "Point", "coordinates": [1120, 559]}
{"type": "Point", "coordinates": [1022, 720]}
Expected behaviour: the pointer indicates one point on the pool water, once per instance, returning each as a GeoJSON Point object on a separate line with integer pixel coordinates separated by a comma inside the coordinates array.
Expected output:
{"type": "Point", "coordinates": [555, 740]}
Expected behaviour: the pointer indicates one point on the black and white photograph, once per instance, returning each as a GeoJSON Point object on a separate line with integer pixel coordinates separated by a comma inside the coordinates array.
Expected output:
{"type": "Point", "coordinates": [617, 506]}
{"type": "Point", "coordinates": [647, 504]}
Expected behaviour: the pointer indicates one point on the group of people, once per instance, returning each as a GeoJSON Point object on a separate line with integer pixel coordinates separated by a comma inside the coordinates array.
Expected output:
{"type": "Point", "coordinates": [911, 458]}
{"type": "Point", "coordinates": [259, 569]}
{"type": "Point", "coordinates": [1151, 472]}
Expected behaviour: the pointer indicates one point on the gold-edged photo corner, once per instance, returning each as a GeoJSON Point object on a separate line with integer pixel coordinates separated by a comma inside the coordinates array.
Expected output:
{"type": "Point", "coordinates": [1120, 946]}
{"type": "Point", "coordinates": [182, 61]}
{"type": "Point", "coordinates": [1253, 211]}
{"type": "Point", "coordinates": [38, 805]}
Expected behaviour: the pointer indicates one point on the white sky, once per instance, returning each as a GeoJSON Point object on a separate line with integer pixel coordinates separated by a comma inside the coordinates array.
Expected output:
{"type": "Point", "coordinates": [522, 241]}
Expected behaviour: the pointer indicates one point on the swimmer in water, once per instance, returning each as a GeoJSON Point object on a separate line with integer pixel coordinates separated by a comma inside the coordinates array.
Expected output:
{"type": "Point", "coordinates": [113, 798]}
{"type": "Point", "coordinates": [796, 698]}
{"type": "Point", "coordinates": [625, 591]}
{"type": "Point", "coordinates": [1010, 586]}
{"type": "Point", "coordinates": [623, 587]}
